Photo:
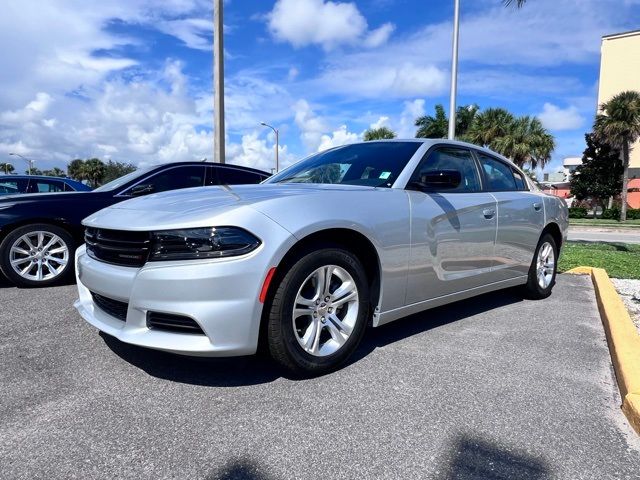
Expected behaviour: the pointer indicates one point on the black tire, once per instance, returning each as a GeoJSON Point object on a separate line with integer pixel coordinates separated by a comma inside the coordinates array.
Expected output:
{"type": "Point", "coordinates": [282, 340]}
{"type": "Point", "coordinates": [65, 272]}
{"type": "Point", "coordinates": [533, 290]}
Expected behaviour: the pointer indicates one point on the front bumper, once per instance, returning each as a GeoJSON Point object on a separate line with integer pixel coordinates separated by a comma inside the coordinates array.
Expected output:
{"type": "Point", "coordinates": [220, 295]}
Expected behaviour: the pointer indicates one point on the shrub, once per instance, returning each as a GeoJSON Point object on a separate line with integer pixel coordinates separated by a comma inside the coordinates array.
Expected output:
{"type": "Point", "coordinates": [578, 212]}
{"type": "Point", "coordinates": [611, 214]}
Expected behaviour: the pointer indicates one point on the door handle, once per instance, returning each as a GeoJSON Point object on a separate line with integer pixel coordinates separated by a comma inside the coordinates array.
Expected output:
{"type": "Point", "coordinates": [488, 213]}
{"type": "Point", "coordinates": [537, 206]}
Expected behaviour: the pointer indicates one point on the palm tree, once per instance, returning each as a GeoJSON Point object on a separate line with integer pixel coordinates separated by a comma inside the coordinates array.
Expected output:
{"type": "Point", "coordinates": [54, 172]}
{"type": "Point", "coordinates": [75, 169]}
{"type": "Point", "coordinates": [526, 142]}
{"type": "Point", "coordinates": [7, 167]}
{"type": "Point", "coordinates": [381, 133]}
{"type": "Point", "coordinates": [619, 126]}
{"type": "Point", "coordinates": [438, 126]}
{"type": "Point", "coordinates": [93, 171]}
{"type": "Point", "coordinates": [488, 126]}
{"type": "Point", "coordinates": [517, 3]}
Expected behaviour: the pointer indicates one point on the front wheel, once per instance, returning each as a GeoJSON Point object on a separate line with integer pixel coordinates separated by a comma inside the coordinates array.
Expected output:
{"type": "Point", "coordinates": [319, 312]}
{"type": "Point", "coordinates": [38, 255]}
{"type": "Point", "coordinates": [542, 273]}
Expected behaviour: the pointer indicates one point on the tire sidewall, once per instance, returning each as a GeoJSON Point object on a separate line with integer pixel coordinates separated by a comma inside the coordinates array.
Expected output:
{"type": "Point", "coordinates": [8, 241]}
{"type": "Point", "coordinates": [281, 314]}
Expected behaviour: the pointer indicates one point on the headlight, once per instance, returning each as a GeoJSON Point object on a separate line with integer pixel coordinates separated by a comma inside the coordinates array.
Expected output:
{"type": "Point", "coordinates": [195, 243]}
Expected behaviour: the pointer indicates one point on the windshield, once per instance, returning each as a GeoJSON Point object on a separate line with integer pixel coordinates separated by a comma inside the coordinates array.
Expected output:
{"type": "Point", "coordinates": [120, 181]}
{"type": "Point", "coordinates": [372, 164]}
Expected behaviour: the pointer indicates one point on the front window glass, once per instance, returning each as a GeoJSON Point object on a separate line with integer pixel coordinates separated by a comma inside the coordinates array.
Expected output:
{"type": "Point", "coordinates": [46, 186]}
{"type": "Point", "coordinates": [175, 179]}
{"type": "Point", "coordinates": [499, 175]}
{"type": "Point", "coordinates": [451, 158]}
{"type": "Point", "coordinates": [372, 164]}
{"type": "Point", "coordinates": [123, 180]}
{"type": "Point", "coordinates": [7, 187]}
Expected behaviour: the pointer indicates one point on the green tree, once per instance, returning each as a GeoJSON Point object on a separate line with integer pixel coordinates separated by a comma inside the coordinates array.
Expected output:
{"type": "Point", "coordinates": [526, 141]}
{"type": "Point", "coordinates": [381, 133]}
{"type": "Point", "coordinates": [600, 175]}
{"type": "Point", "coordinates": [94, 171]}
{"type": "Point", "coordinates": [619, 126]}
{"type": "Point", "coordinates": [113, 170]}
{"type": "Point", "coordinates": [34, 171]}
{"type": "Point", "coordinates": [517, 3]}
{"type": "Point", "coordinates": [438, 126]}
{"type": "Point", "coordinates": [488, 126]}
{"type": "Point", "coordinates": [7, 168]}
{"type": "Point", "coordinates": [433, 126]}
{"type": "Point", "coordinates": [75, 169]}
{"type": "Point", "coordinates": [54, 172]}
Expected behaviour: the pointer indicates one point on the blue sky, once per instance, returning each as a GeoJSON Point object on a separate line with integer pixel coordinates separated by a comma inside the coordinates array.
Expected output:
{"type": "Point", "coordinates": [131, 79]}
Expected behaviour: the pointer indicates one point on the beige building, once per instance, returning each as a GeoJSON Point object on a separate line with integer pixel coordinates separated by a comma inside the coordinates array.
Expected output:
{"type": "Point", "coordinates": [620, 71]}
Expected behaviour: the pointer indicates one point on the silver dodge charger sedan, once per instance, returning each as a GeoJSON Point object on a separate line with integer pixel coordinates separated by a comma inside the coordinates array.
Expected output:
{"type": "Point", "coordinates": [303, 263]}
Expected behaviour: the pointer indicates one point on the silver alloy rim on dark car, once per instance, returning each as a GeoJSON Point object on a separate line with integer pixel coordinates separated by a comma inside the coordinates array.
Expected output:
{"type": "Point", "coordinates": [325, 311]}
{"type": "Point", "coordinates": [39, 256]}
{"type": "Point", "coordinates": [546, 265]}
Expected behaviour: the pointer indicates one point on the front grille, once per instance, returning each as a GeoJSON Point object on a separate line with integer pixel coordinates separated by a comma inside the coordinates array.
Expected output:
{"type": "Point", "coordinates": [173, 323]}
{"type": "Point", "coordinates": [110, 306]}
{"type": "Point", "coordinates": [129, 249]}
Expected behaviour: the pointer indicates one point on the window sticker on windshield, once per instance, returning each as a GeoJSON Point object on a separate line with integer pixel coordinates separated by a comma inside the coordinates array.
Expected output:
{"type": "Point", "coordinates": [385, 175]}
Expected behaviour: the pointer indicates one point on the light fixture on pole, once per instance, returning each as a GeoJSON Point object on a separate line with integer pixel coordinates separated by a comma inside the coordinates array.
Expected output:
{"type": "Point", "coordinates": [218, 83]}
{"type": "Point", "coordinates": [454, 71]}
{"type": "Point", "coordinates": [28, 160]}
{"type": "Point", "coordinates": [275, 130]}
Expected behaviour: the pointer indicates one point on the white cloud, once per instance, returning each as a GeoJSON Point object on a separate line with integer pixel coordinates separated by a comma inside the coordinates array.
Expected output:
{"type": "Point", "coordinates": [379, 36]}
{"type": "Point", "coordinates": [410, 112]}
{"type": "Point", "coordinates": [311, 126]}
{"type": "Point", "coordinates": [556, 118]}
{"type": "Point", "coordinates": [34, 110]}
{"type": "Point", "coordinates": [341, 136]}
{"type": "Point", "coordinates": [381, 122]}
{"type": "Point", "coordinates": [325, 23]}
{"type": "Point", "coordinates": [193, 32]}
{"type": "Point", "coordinates": [254, 151]}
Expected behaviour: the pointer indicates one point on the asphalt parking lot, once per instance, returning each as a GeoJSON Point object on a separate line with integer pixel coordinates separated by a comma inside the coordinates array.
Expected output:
{"type": "Point", "coordinates": [494, 387]}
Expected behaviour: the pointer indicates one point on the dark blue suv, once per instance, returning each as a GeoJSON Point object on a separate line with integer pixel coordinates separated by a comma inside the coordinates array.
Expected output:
{"type": "Point", "coordinates": [15, 184]}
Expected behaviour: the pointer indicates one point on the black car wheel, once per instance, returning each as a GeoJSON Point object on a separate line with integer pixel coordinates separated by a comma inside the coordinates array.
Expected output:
{"type": "Point", "coordinates": [38, 255]}
{"type": "Point", "coordinates": [319, 312]}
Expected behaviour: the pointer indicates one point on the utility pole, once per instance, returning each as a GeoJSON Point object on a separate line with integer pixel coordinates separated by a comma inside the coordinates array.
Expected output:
{"type": "Point", "coordinates": [454, 71]}
{"type": "Point", "coordinates": [218, 83]}
{"type": "Point", "coordinates": [277, 133]}
{"type": "Point", "coordinates": [28, 160]}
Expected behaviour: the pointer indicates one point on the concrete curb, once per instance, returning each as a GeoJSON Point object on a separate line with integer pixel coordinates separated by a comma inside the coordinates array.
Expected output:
{"type": "Point", "coordinates": [623, 340]}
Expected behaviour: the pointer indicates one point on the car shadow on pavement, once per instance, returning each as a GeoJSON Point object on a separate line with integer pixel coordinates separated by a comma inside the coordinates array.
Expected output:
{"type": "Point", "coordinates": [211, 372]}
{"type": "Point", "coordinates": [257, 369]}
{"type": "Point", "coordinates": [477, 458]}
{"type": "Point", "coordinates": [434, 318]}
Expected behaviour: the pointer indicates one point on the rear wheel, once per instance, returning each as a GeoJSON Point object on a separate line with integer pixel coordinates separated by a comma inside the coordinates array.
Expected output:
{"type": "Point", "coordinates": [319, 312]}
{"type": "Point", "coordinates": [38, 255]}
{"type": "Point", "coordinates": [542, 273]}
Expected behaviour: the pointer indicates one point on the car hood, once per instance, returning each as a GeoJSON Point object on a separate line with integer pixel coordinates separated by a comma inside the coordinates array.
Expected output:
{"type": "Point", "coordinates": [196, 206]}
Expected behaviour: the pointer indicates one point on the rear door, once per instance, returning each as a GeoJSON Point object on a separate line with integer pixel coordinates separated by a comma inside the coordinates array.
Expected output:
{"type": "Point", "coordinates": [452, 230]}
{"type": "Point", "coordinates": [520, 217]}
{"type": "Point", "coordinates": [223, 175]}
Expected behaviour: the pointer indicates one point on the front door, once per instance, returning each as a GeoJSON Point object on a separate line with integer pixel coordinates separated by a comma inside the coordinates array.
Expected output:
{"type": "Point", "coordinates": [453, 230]}
{"type": "Point", "coordinates": [520, 217]}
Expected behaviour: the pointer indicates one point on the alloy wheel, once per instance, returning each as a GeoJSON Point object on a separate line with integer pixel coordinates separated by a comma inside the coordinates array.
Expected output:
{"type": "Point", "coordinates": [39, 256]}
{"type": "Point", "coordinates": [545, 265]}
{"type": "Point", "coordinates": [325, 310]}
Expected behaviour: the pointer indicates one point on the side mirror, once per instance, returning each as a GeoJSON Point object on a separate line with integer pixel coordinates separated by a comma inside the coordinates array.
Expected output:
{"type": "Point", "coordinates": [439, 179]}
{"type": "Point", "coordinates": [142, 189]}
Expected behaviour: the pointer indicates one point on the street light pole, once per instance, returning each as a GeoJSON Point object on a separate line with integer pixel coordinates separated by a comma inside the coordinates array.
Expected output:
{"type": "Point", "coordinates": [28, 160]}
{"type": "Point", "coordinates": [454, 71]}
{"type": "Point", "coordinates": [218, 83]}
{"type": "Point", "coordinates": [277, 132]}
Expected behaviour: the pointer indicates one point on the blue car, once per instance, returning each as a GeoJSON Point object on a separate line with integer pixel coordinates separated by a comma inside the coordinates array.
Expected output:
{"type": "Point", "coordinates": [15, 184]}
